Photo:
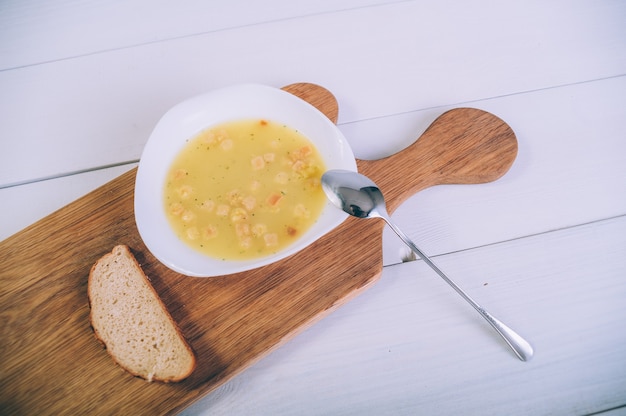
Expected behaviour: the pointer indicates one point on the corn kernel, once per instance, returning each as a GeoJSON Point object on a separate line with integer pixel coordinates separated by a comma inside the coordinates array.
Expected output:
{"type": "Point", "coordinates": [176, 208]}
{"type": "Point", "coordinates": [245, 242]}
{"type": "Point", "coordinates": [259, 229]}
{"type": "Point", "coordinates": [209, 232]}
{"type": "Point", "coordinates": [298, 165]}
{"type": "Point", "coordinates": [208, 137]}
{"type": "Point", "coordinates": [249, 202]}
{"type": "Point", "coordinates": [242, 229]}
{"type": "Point", "coordinates": [188, 216]}
{"type": "Point", "coordinates": [257, 162]}
{"type": "Point", "coordinates": [227, 144]}
{"type": "Point", "coordinates": [281, 178]}
{"type": "Point", "coordinates": [234, 197]}
{"type": "Point", "coordinates": [193, 233]}
{"type": "Point", "coordinates": [300, 211]}
{"type": "Point", "coordinates": [221, 135]}
{"type": "Point", "coordinates": [271, 239]}
{"type": "Point", "coordinates": [239, 214]}
{"type": "Point", "coordinates": [208, 205]}
{"type": "Point", "coordinates": [179, 174]}
{"type": "Point", "coordinates": [185, 191]}
{"type": "Point", "coordinates": [255, 185]}
{"type": "Point", "coordinates": [222, 210]}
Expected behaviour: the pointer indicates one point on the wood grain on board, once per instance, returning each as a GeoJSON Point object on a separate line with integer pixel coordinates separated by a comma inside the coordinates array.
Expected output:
{"type": "Point", "coordinates": [50, 360]}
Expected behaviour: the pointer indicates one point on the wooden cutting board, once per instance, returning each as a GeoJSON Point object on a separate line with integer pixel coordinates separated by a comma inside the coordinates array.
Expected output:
{"type": "Point", "coordinates": [50, 361]}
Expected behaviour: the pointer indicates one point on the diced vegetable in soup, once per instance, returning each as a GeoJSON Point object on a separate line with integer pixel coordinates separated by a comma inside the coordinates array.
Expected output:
{"type": "Point", "coordinates": [244, 189]}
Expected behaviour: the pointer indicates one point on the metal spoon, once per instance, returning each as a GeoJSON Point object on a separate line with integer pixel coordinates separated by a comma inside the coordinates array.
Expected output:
{"type": "Point", "coordinates": [359, 196]}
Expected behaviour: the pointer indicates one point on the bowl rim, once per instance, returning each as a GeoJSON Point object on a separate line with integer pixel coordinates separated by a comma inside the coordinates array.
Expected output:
{"type": "Point", "coordinates": [186, 119]}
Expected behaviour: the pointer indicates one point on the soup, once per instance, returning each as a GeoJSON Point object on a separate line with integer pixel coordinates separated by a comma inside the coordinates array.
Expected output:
{"type": "Point", "coordinates": [244, 189]}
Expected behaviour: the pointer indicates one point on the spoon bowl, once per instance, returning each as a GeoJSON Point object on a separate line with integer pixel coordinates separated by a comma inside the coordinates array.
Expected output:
{"type": "Point", "coordinates": [358, 195]}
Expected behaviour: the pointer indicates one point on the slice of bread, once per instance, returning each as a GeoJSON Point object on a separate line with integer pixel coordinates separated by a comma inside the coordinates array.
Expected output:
{"type": "Point", "coordinates": [130, 319]}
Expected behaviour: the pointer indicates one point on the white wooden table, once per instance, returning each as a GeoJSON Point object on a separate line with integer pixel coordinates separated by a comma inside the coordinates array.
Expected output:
{"type": "Point", "coordinates": [82, 84]}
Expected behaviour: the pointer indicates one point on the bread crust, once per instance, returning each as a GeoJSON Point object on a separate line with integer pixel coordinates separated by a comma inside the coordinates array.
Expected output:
{"type": "Point", "coordinates": [102, 339]}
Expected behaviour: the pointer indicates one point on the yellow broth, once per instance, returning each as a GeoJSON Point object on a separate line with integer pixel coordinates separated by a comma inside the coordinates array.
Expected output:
{"type": "Point", "coordinates": [244, 189]}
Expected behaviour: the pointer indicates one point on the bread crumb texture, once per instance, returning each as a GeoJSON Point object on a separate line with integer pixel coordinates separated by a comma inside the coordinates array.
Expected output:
{"type": "Point", "coordinates": [130, 319]}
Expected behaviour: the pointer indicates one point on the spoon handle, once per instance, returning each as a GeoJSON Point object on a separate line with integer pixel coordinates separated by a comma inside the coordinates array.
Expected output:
{"type": "Point", "coordinates": [519, 345]}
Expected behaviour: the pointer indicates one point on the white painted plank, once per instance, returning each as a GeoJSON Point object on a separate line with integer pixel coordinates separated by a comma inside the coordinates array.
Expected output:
{"type": "Point", "coordinates": [619, 411]}
{"type": "Point", "coordinates": [410, 345]}
{"type": "Point", "coordinates": [35, 31]}
{"type": "Point", "coordinates": [25, 204]}
{"type": "Point", "coordinates": [570, 169]}
{"type": "Point", "coordinates": [99, 109]}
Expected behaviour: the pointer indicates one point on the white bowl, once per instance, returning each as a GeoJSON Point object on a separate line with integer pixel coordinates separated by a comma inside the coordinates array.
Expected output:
{"type": "Point", "coordinates": [187, 119]}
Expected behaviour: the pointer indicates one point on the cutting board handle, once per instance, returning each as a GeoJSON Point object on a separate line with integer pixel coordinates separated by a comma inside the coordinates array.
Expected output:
{"type": "Point", "coordinates": [462, 146]}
